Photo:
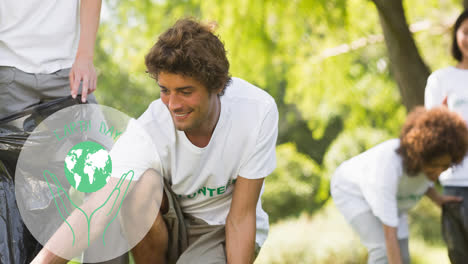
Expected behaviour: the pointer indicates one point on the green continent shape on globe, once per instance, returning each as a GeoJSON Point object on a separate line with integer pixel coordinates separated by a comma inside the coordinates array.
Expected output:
{"type": "Point", "coordinates": [88, 166]}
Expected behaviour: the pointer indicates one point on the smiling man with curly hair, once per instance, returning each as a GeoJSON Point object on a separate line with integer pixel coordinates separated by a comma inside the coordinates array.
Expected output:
{"type": "Point", "coordinates": [214, 139]}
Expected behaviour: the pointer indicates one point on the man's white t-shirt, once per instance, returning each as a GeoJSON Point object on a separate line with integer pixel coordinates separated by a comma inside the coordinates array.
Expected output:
{"type": "Point", "coordinates": [243, 144]}
{"type": "Point", "coordinates": [453, 83]}
{"type": "Point", "coordinates": [39, 36]}
{"type": "Point", "coordinates": [375, 181]}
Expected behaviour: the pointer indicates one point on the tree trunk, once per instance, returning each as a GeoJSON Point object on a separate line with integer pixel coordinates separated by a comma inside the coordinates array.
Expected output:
{"type": "Point", "coordinates": [293, 127]}
{"type": "Point", "coordinates": [407, 66]}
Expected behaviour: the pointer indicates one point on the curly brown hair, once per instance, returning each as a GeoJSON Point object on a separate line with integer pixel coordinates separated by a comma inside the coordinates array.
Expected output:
{"type": "Point", "coordinates": [428, 134]}
{"type": "Point", "coordinates": [191, 49]}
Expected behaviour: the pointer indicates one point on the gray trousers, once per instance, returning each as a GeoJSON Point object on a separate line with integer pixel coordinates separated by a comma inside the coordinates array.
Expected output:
{"type": "Point", "coordinates": [455, 225]}
{"type": "Point", "coordinates": [20, 90]}
{"type": "Point", "coordinates": [370, 231]}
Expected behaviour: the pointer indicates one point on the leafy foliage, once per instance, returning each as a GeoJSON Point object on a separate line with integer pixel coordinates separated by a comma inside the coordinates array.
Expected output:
{"type": "Point", "coordinates": [294, 186]}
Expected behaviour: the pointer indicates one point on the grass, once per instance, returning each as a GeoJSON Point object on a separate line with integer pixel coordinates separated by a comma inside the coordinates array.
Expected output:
{"type": "Point", "coordinates": [326, 238]}
{"type": "Point", "coordinates": [322, 238]}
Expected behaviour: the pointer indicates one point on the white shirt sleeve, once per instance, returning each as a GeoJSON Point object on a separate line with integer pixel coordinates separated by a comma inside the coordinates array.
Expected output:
{"type": "Point", "coordinates": [134, 150]}
{"type": "Point", "coordinates": [381, 192]}
{"type": "Point", "coordinates": [433, 94]}
{"type": "Point", "coordinates": [262, 161]}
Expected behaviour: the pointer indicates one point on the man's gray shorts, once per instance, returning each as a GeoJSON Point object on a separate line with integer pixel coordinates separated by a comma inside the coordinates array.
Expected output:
{"type": "Point", "coordinates": [19, 90]}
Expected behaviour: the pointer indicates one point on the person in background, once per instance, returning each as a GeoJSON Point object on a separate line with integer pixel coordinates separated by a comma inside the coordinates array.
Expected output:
{"type": "Point", "coordinates": [375, 189]}
{"type": "Point", "coordinates": [46, 51]}
{"type": "Point", "coordinates": [449, 87]}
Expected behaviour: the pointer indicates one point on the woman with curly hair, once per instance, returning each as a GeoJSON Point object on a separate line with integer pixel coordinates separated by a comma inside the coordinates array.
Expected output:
{"type": "Point", "coordinates": [375, 189]}
{"type": "Point", "coordinates": [448, 86]}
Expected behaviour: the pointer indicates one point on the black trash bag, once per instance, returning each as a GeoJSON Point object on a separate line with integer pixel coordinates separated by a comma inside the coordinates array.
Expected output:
{"type": "Point", "coordinates": [455, 230]}
{"type": "Point", "coordinates": [17, 245]}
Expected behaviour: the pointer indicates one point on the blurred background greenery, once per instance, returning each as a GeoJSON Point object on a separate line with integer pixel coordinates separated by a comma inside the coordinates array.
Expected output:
{"type": "Point", "coordinates": [328, 65]}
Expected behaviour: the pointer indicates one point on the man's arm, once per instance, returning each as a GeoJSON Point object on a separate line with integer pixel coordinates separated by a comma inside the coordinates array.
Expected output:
{"type": "Point", "coordinates": [83, 68]}
{"type": "Point", "coordinates": [241, 221]}
{"type": "Point", "coordinates": [79, 223]}
{"type": "Point", "coordinates": [47, 256]}
{"type": "Point", "coordinates": [59, 241]}
{"type": "Point", "coordinates": [393, 249]}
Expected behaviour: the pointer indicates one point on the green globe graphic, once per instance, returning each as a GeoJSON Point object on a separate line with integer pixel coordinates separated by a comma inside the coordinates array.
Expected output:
{"type": "Point", "coordinates": [88, 166]}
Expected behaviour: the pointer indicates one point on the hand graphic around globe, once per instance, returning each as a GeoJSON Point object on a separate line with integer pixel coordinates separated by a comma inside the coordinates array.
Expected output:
{"type": "Point", "coordinates": [88, 166]}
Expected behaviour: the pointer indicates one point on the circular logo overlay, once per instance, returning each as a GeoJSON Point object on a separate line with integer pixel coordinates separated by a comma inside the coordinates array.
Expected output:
{"type": "Point", "coordinates": [75, 191]}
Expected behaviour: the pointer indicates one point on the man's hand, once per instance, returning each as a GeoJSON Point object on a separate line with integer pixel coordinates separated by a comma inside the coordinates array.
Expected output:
{"type": "Point", "coordinates": [83, 71]}
{"type": "Point", "coordinates": [83, 68]}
